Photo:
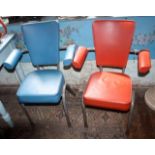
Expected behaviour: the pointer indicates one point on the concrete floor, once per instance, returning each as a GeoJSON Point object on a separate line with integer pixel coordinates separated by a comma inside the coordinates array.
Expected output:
{"type": "Point", "coordinates": [50, 121]}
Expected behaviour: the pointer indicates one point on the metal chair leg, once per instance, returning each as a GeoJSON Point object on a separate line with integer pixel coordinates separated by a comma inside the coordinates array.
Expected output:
{"type": "Point", "coordinates": [6, 116]}
{"type": "Point", "coordinates": [20, 73]}
{"type": "Point", "coordinates": [84, 114]}
{"type": "Point", "coordinates": [70, 90]}
{"type": "Point", "coordinates": [65, 106]}
{"type": "Point", "coordinates": [130, 113]}
{"type": "Point", "coordinates": [28, 116]}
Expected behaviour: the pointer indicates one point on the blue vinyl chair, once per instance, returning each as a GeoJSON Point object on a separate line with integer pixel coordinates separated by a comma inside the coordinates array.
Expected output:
{"type": "Point", "coordinates": [42, 86]}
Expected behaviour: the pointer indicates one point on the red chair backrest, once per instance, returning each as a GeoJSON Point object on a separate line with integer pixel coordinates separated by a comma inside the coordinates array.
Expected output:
{"type": "Point", "coordinates": [112, 41]}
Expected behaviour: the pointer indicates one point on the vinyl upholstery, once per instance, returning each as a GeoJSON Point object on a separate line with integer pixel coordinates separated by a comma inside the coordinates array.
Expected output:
{"type": "Point", "coordinates": [12, 60]}
{"type": "Point", "coordinates": [41, 86]}
{"type": "Point", "coordinates": [144, 61]}
{"type": "Point", "coordinates": [69, 56]}
{"type": "Point", "coordinates": [80, 56]}
{"type": "Point", "coordinates": [112, 42]}
{"type": "Point", "coordinates": [108, 90]}
{"type": "Point", "coordinates": [42, 42]}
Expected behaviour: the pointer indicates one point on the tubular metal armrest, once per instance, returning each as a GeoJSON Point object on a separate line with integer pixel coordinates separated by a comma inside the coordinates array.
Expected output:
{"type": "Point", "coordinates": [12, 60]}
{"type": "Point", "coordinates": [80, 57]}
{"type": "Point", "coordinates": [70, 53]}
{"type": "Point", "coordinates": [144, 61]}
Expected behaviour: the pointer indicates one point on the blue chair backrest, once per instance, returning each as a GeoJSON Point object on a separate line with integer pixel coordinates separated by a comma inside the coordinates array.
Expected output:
{"type": "Point", "coordinates": [42, 42]}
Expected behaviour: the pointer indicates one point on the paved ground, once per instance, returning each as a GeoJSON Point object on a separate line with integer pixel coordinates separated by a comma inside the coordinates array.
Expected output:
{"type": "Point", "coordinates": [50, 120]}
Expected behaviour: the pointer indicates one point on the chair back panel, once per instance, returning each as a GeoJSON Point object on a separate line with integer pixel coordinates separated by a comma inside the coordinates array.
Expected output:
{"type": "Point", "coordinates": [112, 41]}
{"type": "Point", "coordinates": [42, 41]}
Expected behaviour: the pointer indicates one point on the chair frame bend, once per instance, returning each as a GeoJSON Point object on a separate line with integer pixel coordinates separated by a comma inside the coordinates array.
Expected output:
{"type": "Point", "coordinates": [83, 107]}
{"type": "Point", "coordinates": [20, 75]}
{"type": "Point", "coordinates": [63, 101]}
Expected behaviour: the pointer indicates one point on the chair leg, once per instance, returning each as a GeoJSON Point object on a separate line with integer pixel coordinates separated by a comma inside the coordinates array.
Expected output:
{"type": "Point", "coordinates": [28, 116]}
{"type": "Point", "coordinates": [5, 115]}
{"type": "Point", "coordinates": [65, 106]}
{"type": "Point", "coordinates": [84, 114]}
{"type": "Point", "coordinates": [130, 113]}
{"type": "Point", "coordinates": [70, 90]}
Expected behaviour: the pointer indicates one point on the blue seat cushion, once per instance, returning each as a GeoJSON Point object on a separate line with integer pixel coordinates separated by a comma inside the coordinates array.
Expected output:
{"type": "Point", "coordinates": [41, 87]}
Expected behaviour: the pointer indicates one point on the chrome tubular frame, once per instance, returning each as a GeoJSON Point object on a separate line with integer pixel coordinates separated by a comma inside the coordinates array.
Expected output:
{"type": "Point", "coordinates": [66, 86]}
{"type": "Point", "coordinates": [130, 113]}
{"type": "Point", "coordinates": [69, 89]}
{"type": "Point", "coordinates": [20, 73]}
{"type": "Point", "coordinates": [58, 66]}
{"type": "Point", "coordinates": [38, 67]}
{"type": "Point", "coordinates": [65, 106]}
{"type": "Point", "coordinates": [123, 70]}
{"type": "Point", "coordinates": [84, 114]}
{"type": "Point", "coordinates": [101, 68]}
{"type": "Point", "coordinates": [27, 114]}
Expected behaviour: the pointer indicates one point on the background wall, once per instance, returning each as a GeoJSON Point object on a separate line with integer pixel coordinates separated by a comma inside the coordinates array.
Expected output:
{"type": "Point", "coordinates": [80, 32]}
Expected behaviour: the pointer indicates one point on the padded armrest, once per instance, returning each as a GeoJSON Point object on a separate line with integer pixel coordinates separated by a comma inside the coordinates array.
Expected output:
{"type": "Point", "coordinates": [12, 60]}
{"type": "Point", "coordinates": [80, 57]}
{"type": "Point", "coordinates": [70, 52]}
{"type": "Point", "coordinates": [144, 61]}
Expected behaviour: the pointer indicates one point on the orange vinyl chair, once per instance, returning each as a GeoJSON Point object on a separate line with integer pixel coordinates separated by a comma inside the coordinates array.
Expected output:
{"type": "Point", "coordinates": [111, 90]}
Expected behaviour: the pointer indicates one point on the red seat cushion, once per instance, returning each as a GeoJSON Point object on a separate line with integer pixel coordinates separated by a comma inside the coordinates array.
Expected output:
{"type": "Point", "coordinates": [109, 90]}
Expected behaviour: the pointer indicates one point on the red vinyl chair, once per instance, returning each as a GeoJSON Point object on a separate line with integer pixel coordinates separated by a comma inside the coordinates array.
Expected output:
{"type": "Point", "coordinates": [111, 90]}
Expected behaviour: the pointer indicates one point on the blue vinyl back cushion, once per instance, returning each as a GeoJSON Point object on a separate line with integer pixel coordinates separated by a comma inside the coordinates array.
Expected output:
{"type": "Point", "coordinates": [41, 87]}
{"type": "Point", "coordinates": [42, 41]}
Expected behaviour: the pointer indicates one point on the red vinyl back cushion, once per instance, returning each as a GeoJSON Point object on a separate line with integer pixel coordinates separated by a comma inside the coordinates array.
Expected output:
{"type": "Point", "coordinates": [112, 41]}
